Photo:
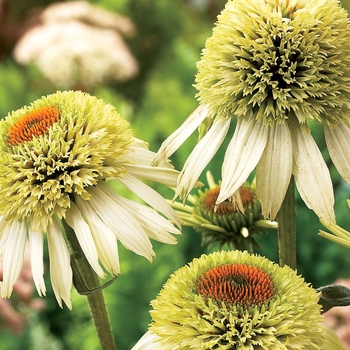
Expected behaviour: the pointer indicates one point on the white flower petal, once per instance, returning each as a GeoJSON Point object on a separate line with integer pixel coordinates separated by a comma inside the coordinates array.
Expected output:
{"type": "Point", "coordinates": [141, 155]}
{"type": "Point", "coordinates": [177, 138]}
{"type": "Point", "coordinates": [83, 234]}
{"type": "Point", "coordinates": [166, 176]}
{"type": "Point", "coordinates": [200, 156]}
{"type": "Point", "coordinates": [149, 342]}
{"type": "Point", "coordinates": [274, 170]}
{"type": "Point", "coordinates": [338, 144]}
{"type": "Point", "coordinates": [60, 270]}
{"type": "Point", "coordinates": [140, 143]}
{"type": "Point", "coordinates": [4, 233]}
{"type": "Point", "coordinates": [242, 155]}
{"type": "Point", "coordinates": [105, 240]}
{"type": "Point", "coordinates": [311, 174]}
{"type": "Point", "coordinates": [3, 224]}
{"type": "Point", "coordinates": [156, 226]}
{"type": "Point", "coordinates": [150, 196]}
{"type": "Point", "coordinates": [36, 243]}
{"type": "Point", "coordinates": [13, 255]}
{"type": "Point", "coordinates": [108, 206]}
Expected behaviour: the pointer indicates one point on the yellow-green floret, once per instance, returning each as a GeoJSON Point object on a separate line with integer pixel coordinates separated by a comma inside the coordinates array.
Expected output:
{"type": "Point", "coordinates": [53, 150]}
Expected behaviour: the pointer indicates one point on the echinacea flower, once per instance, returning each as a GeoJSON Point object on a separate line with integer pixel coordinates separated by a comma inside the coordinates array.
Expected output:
{"type": "Point", "coordinates": [234, 300]}
{"type": "Point", "coordinates": [232, 222]}
{"type": "Point", "coordinates": [55, 158]}
{"type": "Point", "coordinates": [274, 65]}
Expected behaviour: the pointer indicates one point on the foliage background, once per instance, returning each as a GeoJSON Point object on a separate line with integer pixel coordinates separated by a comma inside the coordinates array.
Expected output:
{"type": "Point", "coordinates": [171, 35]}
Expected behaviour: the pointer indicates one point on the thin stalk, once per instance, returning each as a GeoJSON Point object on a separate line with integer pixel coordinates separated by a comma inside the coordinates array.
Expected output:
{"type": "Point", "coordinates": [87, 282]}
{"type": "Point", "coordinates": [286, 220]}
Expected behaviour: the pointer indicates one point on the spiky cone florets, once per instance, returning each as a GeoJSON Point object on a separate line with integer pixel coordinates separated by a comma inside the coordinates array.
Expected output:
{"type": "Point", "coordinates": [233, 300]}
{"type": "Point", "coordinates": [56, 157]}
{"type": "Point", "coordinates": [271, 60]}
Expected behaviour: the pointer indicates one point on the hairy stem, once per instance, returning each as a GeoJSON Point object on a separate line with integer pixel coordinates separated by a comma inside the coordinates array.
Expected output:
{"type": "Point", "coordinates": [87, 282]}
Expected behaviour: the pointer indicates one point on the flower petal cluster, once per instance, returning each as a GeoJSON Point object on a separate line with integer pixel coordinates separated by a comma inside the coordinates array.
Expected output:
{"type": "Point", "coordinates": [274, 66]}
{"type": "Point", "coordinates": [234, 300]}
{"type": "Point", "coordinates": [234, 222]}
{"type": "Point", "coordinates": [57, 157]}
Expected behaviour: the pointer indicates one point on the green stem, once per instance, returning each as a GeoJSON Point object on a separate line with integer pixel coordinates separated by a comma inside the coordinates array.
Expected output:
{"type": "Point", "coordinates": [286, 219]}
{"type": "Point", "coordinates": [87, 282]}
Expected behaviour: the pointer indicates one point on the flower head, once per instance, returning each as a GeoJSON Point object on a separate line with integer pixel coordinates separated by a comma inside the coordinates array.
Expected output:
{"type": "Point", "coordinates": [275, 65]}
{"type": "Point", "coordinates": [233, 300]}
{"type": "Point", "coordinates": [56, 157]}
{"type": "Point", "coordinates": [232, 222]}
{"type": "Point", "coordinates": [79, 44]}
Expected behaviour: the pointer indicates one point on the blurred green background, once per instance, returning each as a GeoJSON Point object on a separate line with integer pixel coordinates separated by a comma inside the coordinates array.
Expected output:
{"type": "Point", "coordinates": [170, 36]}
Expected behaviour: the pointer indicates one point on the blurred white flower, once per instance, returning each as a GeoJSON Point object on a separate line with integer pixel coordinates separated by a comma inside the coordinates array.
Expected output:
{"type": "Point", "coordinates": [78, 45]}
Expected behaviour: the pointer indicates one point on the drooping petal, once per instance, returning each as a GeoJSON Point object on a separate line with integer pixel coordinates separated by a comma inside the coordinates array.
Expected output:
{"type": "Point", "coordinates": [150, 196]}
{"type": "Point", "coordinates": [36, 243]}
{"type": "Point", "coordinates": [83, 234]}
{"type": "Point", "coordinates": [179, 136]}
{"type": "Point", "coordinates": [155, 225]}
{"type": "Point", "coordinates": [13, 256]}
{"type": "Point", "coordinates": [311, 174]}
{"type": "Point", "coordinates": [242, 155]}
{"type": "Point", "coordinates": [129, 231]}
{"type": "Point", "coordinates": [338, 144]}
{"type": "Point", "coordinates": [104, 238]}
{"type": "Point", "coordinates": [60, 270]}
{"type": "Point", "coordinates": [200, 156]}
{"type": "Point", "coordinates": [274, 170]}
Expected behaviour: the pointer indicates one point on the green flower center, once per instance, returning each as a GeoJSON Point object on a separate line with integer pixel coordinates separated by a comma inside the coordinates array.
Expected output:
{"type": "Point", "coordinates": [236, 285]}
{"type": "Point", "coordinates": [34, 124]}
